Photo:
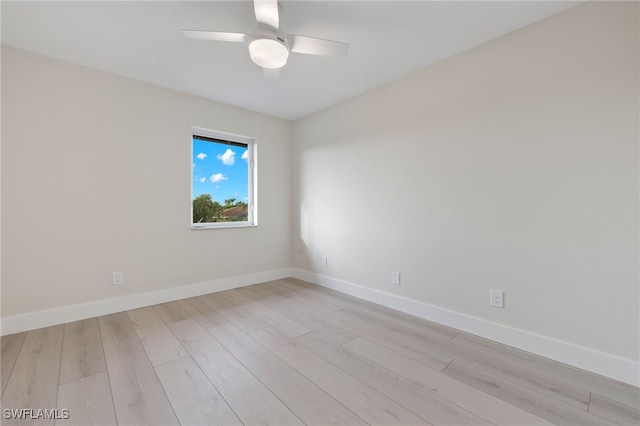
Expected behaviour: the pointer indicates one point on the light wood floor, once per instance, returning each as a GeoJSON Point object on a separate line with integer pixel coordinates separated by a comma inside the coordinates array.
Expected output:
{"type": "Point", "coordinates": [288, 352]}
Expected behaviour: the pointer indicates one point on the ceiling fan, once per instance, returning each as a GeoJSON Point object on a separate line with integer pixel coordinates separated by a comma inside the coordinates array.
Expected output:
{"type": "Point", "coordinates": [268, 47]}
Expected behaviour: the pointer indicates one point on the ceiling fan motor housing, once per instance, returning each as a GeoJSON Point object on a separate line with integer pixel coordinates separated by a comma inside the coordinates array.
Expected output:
{"type": "Point", "coordinates": [269, 49]}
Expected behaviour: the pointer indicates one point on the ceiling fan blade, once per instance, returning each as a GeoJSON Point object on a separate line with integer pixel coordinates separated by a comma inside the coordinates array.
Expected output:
{"type": "Point", "coordinates": [267, 12]}
{"type": "Point", "coordinates": [317, 46]}
{"type": "Point", "coordinates": [215, 35]}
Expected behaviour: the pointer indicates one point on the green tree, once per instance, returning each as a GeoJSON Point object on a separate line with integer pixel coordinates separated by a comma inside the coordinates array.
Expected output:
{"type": "Point", "coordinates": [229, 202]}
{"type": "Point", "coordinates": [217, 210]}
{"type": "Point", "coordinates": [205, 209]}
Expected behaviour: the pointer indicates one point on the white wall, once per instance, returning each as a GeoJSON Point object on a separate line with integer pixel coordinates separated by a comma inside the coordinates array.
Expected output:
{"type": "Point", "coordinates": [96, 178]}
{"type": "Point", "coordinates": [512, 166]}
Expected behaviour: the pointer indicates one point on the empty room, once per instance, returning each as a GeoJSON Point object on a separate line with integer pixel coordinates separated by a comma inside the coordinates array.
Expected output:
{"type": "Point", "coordinates": [320, 212]}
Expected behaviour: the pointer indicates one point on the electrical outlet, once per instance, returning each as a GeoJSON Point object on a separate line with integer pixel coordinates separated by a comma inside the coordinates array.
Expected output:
{"type": "Point", "coordinates": [324, 261]}
{"type": "Point", "coordinates": [118, 278]}
{"type": "Point", "coordinates": [395, 278]}
{"type": "Point", "coordinates": [497, 298]}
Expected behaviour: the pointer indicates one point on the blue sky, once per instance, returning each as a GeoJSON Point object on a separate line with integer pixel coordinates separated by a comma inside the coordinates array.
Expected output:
{"type": "Point", "coordinates": [220, 170]}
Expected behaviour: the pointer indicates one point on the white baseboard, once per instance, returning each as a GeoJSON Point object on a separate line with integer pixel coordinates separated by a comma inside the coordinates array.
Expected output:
{"type": "Point", "coordinates": [591, 360]}
{"type": "Point", "coordinates": [49, 317]}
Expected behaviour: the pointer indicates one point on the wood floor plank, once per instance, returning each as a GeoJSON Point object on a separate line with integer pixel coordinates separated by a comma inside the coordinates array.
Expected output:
{"type": "Point", "coordinates": [34, 381]}
{"type": "Point", "coordinates": [364, 401]}
{"type": "Point", "coordinates": [396, 315]}
{"type": "Point", "coordinates": [270, 317]}
{"type": "Point", "coordinates": [344, 298]}
{"type": "Point", "coordinates": [494, 364]}
{"type": "Point", "coordinates": [484, 405]}
{"type": "Point", "coordinates": [241, 318]}
{"type": "Point", "coordinates": [88, 400]}
{"type": "Point", "coordinates": [529, 400]}
{"type": "Point", "coordinates": [138, 395]}
{"type": "Point", "coordinates": [382, 312]}
{"type": "Point", "coordinates": [414, 342]}
{"type": "Point", "coordinates": [194, 399]}
{"type": "Point", "coordinates": [171, 312]}
{"type": "Point", "coordinates": [314, 304]}
{"type": "Point", "coordinates": [311, 321]}
{"type": "Point", "coordinates": [311, 404]}
{"type": "Point", "coordinates": [159, 342]}
{"type": "Point", "coordinates": [201, 312]}
{"type": "Point", "coordinates": [275, 287]}
{"type": "Point", "coordinates": [250, 400]}
{"type": "Point", "coordinates": [562, 382]}
{"type": "Point", "coordinates": [423, 327]}
{"type": "Point", "coordinates": [295, 296]}
{"type": "Point", "coordinates": [427, 334]}
{"type": "Point", "coordinates": [295, 310]}
{"type": "Point", "coordinates": [379, 310]}
{"type": "Point", "coordinates": [11, 346]}
{"type": "Point", "coordinates": [82, 353]}
{"type": "Point", "coordinates": [428, 405]}
{"type": "Point", "coordinates": [262, 295]}
{"type": "Point", "coordinates": [617, 391]}
{"type": "Point", "coordinates": [569, 384]}
{"type": "Point", "coordinates": [314, 294]}
{"type": "Point", "coordinates": [614, 411]}
{"type": "Point", "coordinates": [417, 351]}
{"type": "Point", "coordinates": [527, 369]}
{"type": "Point", "coordinates": [258, 292]}
{"type": "Point", "coordinates": [507, 369]}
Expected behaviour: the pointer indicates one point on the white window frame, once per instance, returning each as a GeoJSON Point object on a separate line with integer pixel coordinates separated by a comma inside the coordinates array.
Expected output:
{"type": "Point", "coordinates": [252, 219]}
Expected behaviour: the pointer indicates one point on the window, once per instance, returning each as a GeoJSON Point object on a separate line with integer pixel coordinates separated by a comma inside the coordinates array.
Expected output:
{"type": "Point", "coordinates": [222, 180]}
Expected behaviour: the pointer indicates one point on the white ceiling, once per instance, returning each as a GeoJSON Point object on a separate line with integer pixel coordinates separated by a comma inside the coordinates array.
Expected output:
{"type": "Point", "coordinates": [142, 40]}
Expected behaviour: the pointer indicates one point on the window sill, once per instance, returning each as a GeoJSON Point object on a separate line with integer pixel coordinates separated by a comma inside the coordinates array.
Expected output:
{"type": "Point", "coordinates": [222, 225]}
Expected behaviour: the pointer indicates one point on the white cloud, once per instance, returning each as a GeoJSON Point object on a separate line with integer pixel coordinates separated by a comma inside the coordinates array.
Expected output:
{"type": "Point", "coordinates": [202, 179]}
{"type": "Point", "coordinates": [218, 177]}
{"type": "Point", "coordinates": [228, 158]}
{"type": "Point", "coordinates": [201, 156]}
{"type": "Point", "coordinates": [245, 155]}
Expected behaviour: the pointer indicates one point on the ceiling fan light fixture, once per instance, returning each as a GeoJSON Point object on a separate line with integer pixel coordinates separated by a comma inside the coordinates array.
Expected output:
{"type": "Point", "coordinates": [268, 53]}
